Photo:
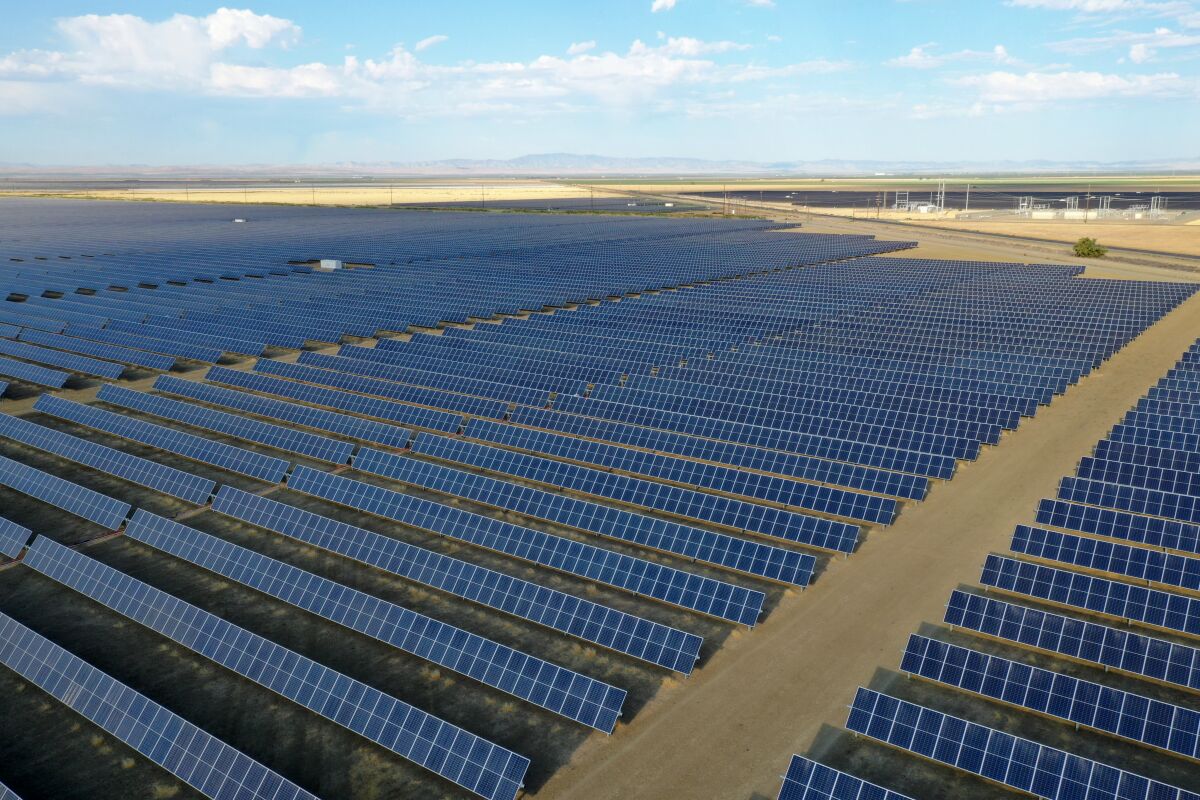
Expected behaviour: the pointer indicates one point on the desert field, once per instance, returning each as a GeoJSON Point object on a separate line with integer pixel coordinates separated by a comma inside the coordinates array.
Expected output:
{"type": "Point", "coordinates": [1184, 239]}
{"type": "Point", "coordinates": [479, 191]}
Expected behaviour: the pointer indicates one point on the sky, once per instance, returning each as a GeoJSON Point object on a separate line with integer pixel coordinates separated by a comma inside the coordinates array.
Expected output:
{"type": "Point", "coordinates": [305, 82]}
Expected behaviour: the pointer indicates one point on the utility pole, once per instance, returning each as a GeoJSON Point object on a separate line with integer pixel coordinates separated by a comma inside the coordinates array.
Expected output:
{"type": "Point", "coordinates": [1088, 212]}
{"type": "Point", "coordinates": [314, 192]}
{"type": "Point", "coordinates": [967, 204]}
{"type": "Point", "coordinates": [390, 195]}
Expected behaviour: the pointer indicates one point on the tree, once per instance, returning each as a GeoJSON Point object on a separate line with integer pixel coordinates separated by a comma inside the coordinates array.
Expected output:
{"type": "Point", "coordinates": [1086, 247]}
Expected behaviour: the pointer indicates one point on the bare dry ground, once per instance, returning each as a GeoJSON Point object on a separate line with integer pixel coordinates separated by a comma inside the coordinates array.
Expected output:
{"type": "Point", "coordinates": [728, 733]}
{"type": "Point", "coordinates": [374, 194]}
{"type": "Point", "coordinates": [1165, 238]}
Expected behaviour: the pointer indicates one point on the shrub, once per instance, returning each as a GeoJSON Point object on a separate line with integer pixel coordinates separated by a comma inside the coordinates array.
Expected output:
{"type": "Point", "coordinates": [1086, 247]}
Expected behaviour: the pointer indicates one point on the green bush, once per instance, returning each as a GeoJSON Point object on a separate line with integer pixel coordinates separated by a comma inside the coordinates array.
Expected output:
{"type": "Point", "coordinates": [1086, 247]}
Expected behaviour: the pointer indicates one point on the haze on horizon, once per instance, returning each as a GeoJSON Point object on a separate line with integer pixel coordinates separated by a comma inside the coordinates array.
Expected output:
{"type": "Point", "coordinates": [98, 82]}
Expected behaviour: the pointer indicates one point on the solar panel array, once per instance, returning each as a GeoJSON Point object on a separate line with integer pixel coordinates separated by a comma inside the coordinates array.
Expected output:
{"type": "Point", "coordinates": [144, 472]}
{"type": "Point", "coordinates": [70, 497]}
{"type": "Point", "coordinates": [473, 763]}
{"type": "Point", "coordinates": [218, 454]}
{"type": "Point", "coordinates": [640, 638]}
{"type": "Point", "coordinates": [600, 461]}
{"type": "Point", "coordinates": [1108, 580]}
{"type": "Point", "coordinates": [207, 764]}
{"type": "Point", "coordinates": [13, 538]}
{"type": "Point", "coordinates": [560, 690]}
{"type": "Point", "coordinates": [809, 780]}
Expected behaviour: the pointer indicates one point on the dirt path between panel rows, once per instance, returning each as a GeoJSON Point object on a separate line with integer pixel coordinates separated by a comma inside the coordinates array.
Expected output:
{"type": "Point", "coordinates": [728, 731]}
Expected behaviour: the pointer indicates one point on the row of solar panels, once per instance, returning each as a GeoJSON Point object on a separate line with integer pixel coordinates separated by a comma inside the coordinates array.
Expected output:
{"type": "Point", "coordinates": [1121, 562]}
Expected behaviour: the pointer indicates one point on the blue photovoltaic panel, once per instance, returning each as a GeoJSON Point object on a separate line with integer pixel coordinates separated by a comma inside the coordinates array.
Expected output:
{"type": "Point", "coordinates": [31, 373]}
{"type": "Point", "coordinates": [767, 521]}
{"type": "Point", "coordinates": [1101, 595]}
{"type": "Point", "coordinates": [196, 352]}
{"type": "Point", "coordinates": [13, 538]}
{"type": "Point", "coordinates": [57, 358]}
{"type": "Point", "coordinates": [447, 750]}
{"type": "Point", "coordinates": [557, 689]}
{"type": "Point", "coordinates": [112, 352]}
{"type": "Point", "coordinates": [1092, 705]}
{"type": "Point", "coordinates": [671, 537]}
{"type": "Point", "coordinates": [367, 430]}
{"type": "Point", "coordinates": [7, 793]}
{"type": "Point", "coordinates": [394, 391]}
{"type": "Point", "coordinates": [141, 471]}
{"type": "Point", "coordinates": [343, 401]}
{"type": "Point", "coordinates": [1166, 533]}
{"type": "Point", "coordinates": [1129, 498]}
{"type": "Point", "coordinates": [1113, 648]}
{"type": "Point", "coordinates": [3, 388]}
{"type": "Point", "coordinates": [649, 641]}
{"type": "Point", "coordinates": [203, 762]}
{"type": "Point", "coordinates": [292, 441]}
{"type": "Point", "coordinates": [808, 780]}
{"type": "Point", "coordinates": [70, 497]}
{"type": "Point", "coordinates": [636, 575]}
{"type": "Point", "coordinates": [1153, 566]}
{"type": "Point", "coordinates": [219, 454]}
{"type": "Point", "coordinates": [998, 756]}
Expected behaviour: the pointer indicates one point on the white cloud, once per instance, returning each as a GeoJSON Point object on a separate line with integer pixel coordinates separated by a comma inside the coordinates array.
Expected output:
{"type": "Point", "coordinates": [662, 5]}
{"type": "Point", "coordinates": [1035, 88]}
{"type": "Point", "coordinates": [126, 50]}
{"type": "Point", "coordinates": [205, 56]}
{"type": "Point", "coordinates": [687, 46]}
{"type": "Point", "coordinates": [1100, 6]}
{"type": "Point", "coordinates": [1140, 53]}
{"type": "Point", "coordinates": [1143, 44]}
{"type": "Point", "coordinates": [760, 3]}
{"type": "Point", "coordinates": [430, 41]}
{"type": "Point", "coordinates": [923, 57]}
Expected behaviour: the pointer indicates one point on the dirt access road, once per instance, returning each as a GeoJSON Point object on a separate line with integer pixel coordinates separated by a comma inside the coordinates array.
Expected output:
{"type": "Point", "coordinates": [729, 731]}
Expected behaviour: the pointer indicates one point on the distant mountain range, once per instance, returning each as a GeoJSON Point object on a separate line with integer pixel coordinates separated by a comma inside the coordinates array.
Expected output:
{"type": "Point", "coordinates": [546, 165]}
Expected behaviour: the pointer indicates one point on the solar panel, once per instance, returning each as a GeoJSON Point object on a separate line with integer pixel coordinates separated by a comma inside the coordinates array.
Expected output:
{"type": "Point", "coordinates": [203, 762]}
{"type": "Point", "coordinates": [729, 512]}
{"type": "Point", "coordinates": [1169, 534]}
{"type": "Point", "coordinates": [13, 538]}
{"type": "Point", "coordinates": [70, 497]}
{"type": "Point", "coordinates": [7, 793]}
{"type": "Point", "coordinates": [1131, 498]}
{"type": "Point", "coordinates": [31, 373]}
{"type": "Point", "coordinates": [447, 750]}
{"type": "Point", "coordinates": [670, 537]}
{"type": "Point", "coordinates": [219, 454]}
{"type": "Point", "coordinates": [193, 351]}
{"type": "Point", "coordinates": [1101, 595]}
{"type": "Point", "coordinates": [808, 780]}
{"type": "Point", "coordinates": [366, 430]}
{"type": "Point", "coordinates": [649, 641]}
{"type": "Point", "coordinates": [1112, 648]}
{"type": "Point", "coordinates": [111, 352]}
{"type": "Point", "coordinates": [684, 589]}
{"type": "Point", "coordinates": [560, 690]}
{"type": "Point", "coordinates": [57, 358]}
{"type": "Point", "coordinates": [1009, 760]}
{"type": "Point", "coordinates": [343, 401]}
{"type": "Point", "coordinates": [394, 391]}
{"type": "Point", "coordinates": [1153, 566]}
{"type": "Point", "coordinates": [141, 471]}
{"type": "Point", "coordinates": [1145, 720]}
{"type": "Point", "coordinates": [292, 441]}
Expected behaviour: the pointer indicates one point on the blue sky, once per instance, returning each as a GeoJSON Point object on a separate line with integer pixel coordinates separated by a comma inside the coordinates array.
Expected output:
{"type": "Point", "coordinates": [318, 82]}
